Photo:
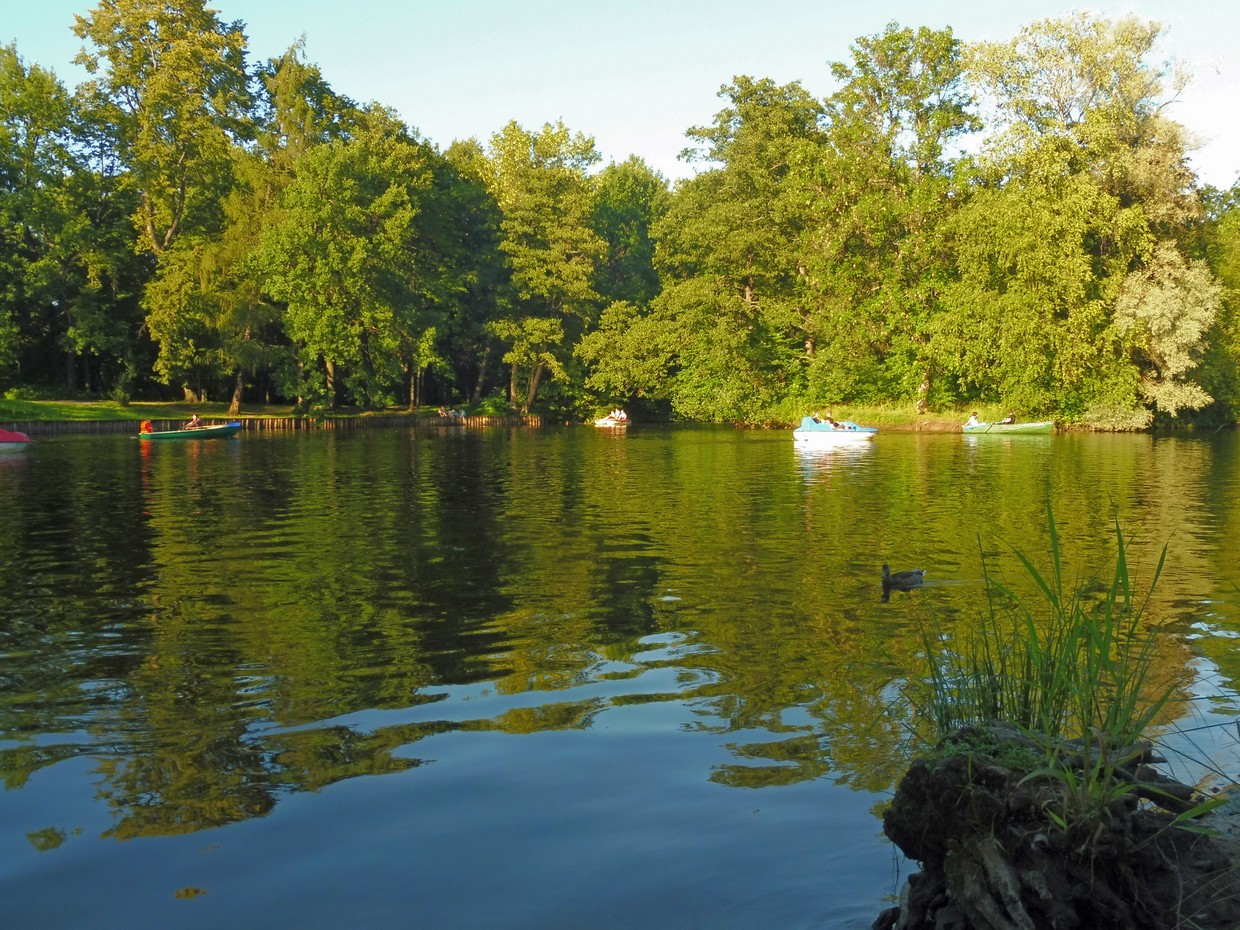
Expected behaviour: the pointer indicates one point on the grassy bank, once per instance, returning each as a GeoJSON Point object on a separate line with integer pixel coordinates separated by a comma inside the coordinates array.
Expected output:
{"type": "Point", "coordinates": [95, 410]}
{"type": "Point", "coordinates": [892, 418]}
{"type": "Point", "coordinates": [100, 410]}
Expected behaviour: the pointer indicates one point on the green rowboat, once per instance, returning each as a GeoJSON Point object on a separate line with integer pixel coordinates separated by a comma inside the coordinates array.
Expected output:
{"type": "Point", "coordinates": [993, 429]}
{"type": "Point", "coordinates": [219, 431]}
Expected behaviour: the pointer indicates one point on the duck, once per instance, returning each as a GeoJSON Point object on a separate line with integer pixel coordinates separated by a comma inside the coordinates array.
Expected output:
{"type": "Point", "coordinates": [901, 581]}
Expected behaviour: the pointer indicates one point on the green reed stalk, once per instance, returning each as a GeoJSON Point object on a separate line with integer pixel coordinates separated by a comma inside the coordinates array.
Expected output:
{"type": "Point", "coordinates": [1059, 666]}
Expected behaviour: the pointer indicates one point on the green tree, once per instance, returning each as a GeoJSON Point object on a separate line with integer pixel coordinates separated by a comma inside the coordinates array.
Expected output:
{"type": "Point", "coordinates": [631, 353]}
{"type": "Point", "coordinates": [881, 194]}
{"type": "Point", "coordinates": [485, 293]}
{"type": "Point", "coordinates": [1219, 246]}
{"type": "Point", "coordinates": [171, 80]}
{"type": "Point", "coordinates": [103, 273]}
{"type": "Point", "coordinates": [34, 157]}
{"type": "Point", "coordinates": [546, 201]}
{"type": "Point", "coordinates": [629, 199]}
{"type": "Point", "coordinates": [347, 260]}
{"type": "Point", "coordinates": [459, 227]}
{"type": "Point", "coordinates": [534, 343]}
{"type": "Point", "coordinates": [68, 275]}
{"type": "Point", "coordinates": [1027, 315]}
{"type": "Point", "coordinates": [1092, 176]}
{"type": "Point", "coordinates": [208, 310]}
{"type": "Point", "coordinates": [727, 251]}
{"type": "Point", "coordinates": [297, 110]}
{"type": "Point", "coordinates": [1099, 84]}
{"type": "Point", "coordinates": [1165, 309]}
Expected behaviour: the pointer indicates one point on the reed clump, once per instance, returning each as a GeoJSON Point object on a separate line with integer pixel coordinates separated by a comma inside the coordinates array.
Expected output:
{"type": "Point", "coordinates": [1063, 668]}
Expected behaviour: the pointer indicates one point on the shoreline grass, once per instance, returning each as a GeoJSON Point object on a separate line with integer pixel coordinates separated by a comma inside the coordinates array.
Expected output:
{"type": "Point", "coordinates": [74, 411]}
{"type": "Point", "coordinates": [12, 410]}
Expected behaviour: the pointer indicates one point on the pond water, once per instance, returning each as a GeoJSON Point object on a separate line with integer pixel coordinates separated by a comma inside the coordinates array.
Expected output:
{"type": "Point", "coordinates": [528, 677]}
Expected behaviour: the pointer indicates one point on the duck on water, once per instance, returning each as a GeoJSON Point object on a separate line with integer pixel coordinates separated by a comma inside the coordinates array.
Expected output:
{"type": "Point", "coordinates": [901, 581]}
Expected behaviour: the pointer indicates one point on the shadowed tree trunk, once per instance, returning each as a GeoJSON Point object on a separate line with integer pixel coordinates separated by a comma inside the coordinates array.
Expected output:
{"type": "Point", "coordinates": [483, 364]}
{"type": "Point", "coordinates": [534, 379]}
{"type": "Point", "coordinates": [234, 406]}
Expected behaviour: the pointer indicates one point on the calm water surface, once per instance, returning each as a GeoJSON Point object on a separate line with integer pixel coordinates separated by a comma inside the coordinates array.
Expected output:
{"type": "Point", "coordinates": [529, 678]}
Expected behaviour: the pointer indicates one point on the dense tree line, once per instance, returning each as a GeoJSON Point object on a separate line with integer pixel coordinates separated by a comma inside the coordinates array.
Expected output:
{"type": "Point", "coordinates": [1010, 222]}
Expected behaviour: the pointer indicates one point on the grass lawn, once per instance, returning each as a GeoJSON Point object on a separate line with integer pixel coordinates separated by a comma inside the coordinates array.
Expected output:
{"type": "Point", "coordinates": [892, 417]}
{"type": "Point", "coordinates": [13, 411]}
{"type": "Point", "coordinates": [73, 410]}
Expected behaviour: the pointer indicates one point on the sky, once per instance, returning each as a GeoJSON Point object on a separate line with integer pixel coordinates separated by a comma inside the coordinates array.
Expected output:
{"type": "Point", "coordinates": [635, 75]}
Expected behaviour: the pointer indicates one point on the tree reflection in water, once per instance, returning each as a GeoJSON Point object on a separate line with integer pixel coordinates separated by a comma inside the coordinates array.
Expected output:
{"type": "Point", "coordinates": [216, 626]}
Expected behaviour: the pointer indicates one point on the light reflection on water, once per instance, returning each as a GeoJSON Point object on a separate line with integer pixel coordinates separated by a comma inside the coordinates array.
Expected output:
{"type": "Point", "coordinates": [625, 681]}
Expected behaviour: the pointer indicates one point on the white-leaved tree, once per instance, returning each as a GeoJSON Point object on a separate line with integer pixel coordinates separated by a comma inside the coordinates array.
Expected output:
{"type": "Point", "coordinates": [1164, 310]}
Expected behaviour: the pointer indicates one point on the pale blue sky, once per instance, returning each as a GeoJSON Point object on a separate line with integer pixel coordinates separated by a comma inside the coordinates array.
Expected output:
{"type": "Point", "coordinates": [635, 75]}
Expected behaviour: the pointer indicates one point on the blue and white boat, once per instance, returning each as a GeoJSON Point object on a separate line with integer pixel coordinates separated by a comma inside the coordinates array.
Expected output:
{"type": "Point", "coordinates": [821, 433]}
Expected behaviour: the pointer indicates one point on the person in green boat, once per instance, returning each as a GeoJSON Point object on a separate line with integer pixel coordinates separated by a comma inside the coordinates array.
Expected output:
{"type": "Point", "coordinates": [194, 423]}
{"type": "Point", "coordinates": [1010, 418]}
{"type": "Point", "coordinates": [973, 421]}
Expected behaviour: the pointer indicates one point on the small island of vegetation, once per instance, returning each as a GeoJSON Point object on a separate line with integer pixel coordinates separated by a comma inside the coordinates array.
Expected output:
{"type": "Point", "coordinates": [1041, 803]}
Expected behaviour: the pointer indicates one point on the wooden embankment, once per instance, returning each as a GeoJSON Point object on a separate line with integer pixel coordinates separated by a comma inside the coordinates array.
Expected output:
{"type": "Point", "coordinates": [37, 428]}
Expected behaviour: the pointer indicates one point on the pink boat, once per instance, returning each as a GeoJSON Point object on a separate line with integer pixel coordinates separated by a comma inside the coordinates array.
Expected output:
{"type": "Point", "coordinates": [13, 442]}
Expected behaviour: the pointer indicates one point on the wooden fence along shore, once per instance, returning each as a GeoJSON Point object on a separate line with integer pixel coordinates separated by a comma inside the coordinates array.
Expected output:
{"type": "Point", "coordinates": [36, 428]}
